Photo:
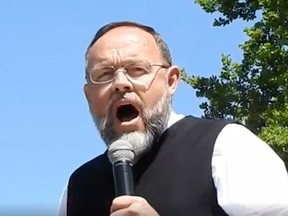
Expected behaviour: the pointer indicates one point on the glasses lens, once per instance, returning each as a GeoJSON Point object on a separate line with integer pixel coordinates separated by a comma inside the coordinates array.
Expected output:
{"type": "Point", "coordinates": [102, 74]}
{"type": "Point", "coordinates": [141, 74]}
{"type": "Point", "coordinates": [137, 69]}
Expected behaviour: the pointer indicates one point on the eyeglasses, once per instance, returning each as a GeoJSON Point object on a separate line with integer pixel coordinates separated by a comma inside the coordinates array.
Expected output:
{"type": "Point", "coordinates": [136, 71]}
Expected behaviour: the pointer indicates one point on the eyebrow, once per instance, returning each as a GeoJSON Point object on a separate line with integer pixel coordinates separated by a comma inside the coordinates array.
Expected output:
{"type": "Point", "coordinates": [126, 61]}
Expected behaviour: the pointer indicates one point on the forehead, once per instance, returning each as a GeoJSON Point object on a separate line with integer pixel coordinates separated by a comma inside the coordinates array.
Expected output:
{"type": "Point", "coordinates": [125, 35]}
{"type": "Point", "coordinates": [124, 42]}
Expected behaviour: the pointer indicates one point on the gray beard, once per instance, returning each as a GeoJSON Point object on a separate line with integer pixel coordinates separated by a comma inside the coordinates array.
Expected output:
{"type": "Point", "coordinates": [155, 122]}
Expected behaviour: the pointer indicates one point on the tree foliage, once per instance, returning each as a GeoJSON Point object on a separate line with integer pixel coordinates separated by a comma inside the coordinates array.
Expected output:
{"type": "Point", "coordinates": [255, 90]}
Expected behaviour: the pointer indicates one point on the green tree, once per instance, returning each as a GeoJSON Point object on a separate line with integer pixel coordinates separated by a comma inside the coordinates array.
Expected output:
{"type": "Point", "coordinates": [255, 90]}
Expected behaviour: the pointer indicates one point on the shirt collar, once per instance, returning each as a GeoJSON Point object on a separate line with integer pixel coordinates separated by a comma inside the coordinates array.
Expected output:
{"type": "Point", "coordinates": [174, 117]}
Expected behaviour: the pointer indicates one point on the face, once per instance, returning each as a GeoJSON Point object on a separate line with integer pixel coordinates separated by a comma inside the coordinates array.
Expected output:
{"type": "Point", "coordinates": [121, 109]}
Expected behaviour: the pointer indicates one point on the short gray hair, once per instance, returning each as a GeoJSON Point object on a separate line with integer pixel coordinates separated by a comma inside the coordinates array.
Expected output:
{"type": "Point", "coordinates": [163, 47]}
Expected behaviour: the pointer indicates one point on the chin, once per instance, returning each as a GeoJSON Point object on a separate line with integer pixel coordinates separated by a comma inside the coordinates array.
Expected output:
{"type": "Point", "coordinates": [127, 119]}
{"type": "Point", "coordinates": [140, 140]}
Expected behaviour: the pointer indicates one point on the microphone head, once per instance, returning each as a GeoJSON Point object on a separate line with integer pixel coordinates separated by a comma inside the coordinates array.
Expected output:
{"type": "Point", "coordinates": [120, 150]}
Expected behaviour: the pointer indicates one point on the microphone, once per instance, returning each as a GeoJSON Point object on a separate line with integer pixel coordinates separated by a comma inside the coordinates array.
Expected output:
{"type": "Point", "coordinates": [121, 155]}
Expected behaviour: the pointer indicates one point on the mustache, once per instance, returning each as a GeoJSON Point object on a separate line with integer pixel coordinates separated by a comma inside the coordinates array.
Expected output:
{"type": "Point", "coordinates": [131, 96]}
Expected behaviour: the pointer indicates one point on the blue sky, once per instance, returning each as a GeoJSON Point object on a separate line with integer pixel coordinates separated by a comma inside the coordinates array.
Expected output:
{"type": "Point", "coordinates": [45, 127]}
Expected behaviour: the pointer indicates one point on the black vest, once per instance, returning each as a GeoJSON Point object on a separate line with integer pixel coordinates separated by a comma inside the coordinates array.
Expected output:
{"type": "Point", "coordinates": [175, 177]}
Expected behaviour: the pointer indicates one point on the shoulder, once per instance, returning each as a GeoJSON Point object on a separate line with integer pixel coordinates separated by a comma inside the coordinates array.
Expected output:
{"type": "Point", "coordinates": [206, 123]}
{"type": "Point", "coordinates": [95, 165]}
{"type": "Point", "coordinates": [247, 173]}
{"type": "Point", "coordinates": [208, 120]}
{"type": "Point", "coordinates": [236, 141]}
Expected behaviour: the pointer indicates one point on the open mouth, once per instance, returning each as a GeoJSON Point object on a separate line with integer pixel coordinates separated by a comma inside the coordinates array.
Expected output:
{"type": "Point", "coordinates": [126, 113]}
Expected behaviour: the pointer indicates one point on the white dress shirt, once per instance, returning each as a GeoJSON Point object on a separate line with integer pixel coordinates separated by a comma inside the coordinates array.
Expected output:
{"type": "Point", "coordinates": [250, 178]}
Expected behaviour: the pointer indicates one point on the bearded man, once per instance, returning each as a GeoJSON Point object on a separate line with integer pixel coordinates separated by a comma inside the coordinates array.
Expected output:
{"type": "Point", "coordinates": [183, 165]}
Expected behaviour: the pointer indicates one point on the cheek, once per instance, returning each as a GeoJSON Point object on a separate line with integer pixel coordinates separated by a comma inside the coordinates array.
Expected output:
{"type": "Point", "coordinates": [153, 95]}
{"type": "Point", "coordinates": [98, 102]}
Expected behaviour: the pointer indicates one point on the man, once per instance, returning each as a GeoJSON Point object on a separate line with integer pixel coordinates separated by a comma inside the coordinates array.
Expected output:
{"type": "Point", "coordinates": [184, 165]}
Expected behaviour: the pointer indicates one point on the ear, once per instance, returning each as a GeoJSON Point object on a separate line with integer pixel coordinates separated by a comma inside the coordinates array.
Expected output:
{"type": "Point", "coordinates": [173, 77]}
{"type": "Point", "coordinates": [86, 92]}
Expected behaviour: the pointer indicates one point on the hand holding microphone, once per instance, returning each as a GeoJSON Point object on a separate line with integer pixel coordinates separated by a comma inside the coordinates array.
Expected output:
{"type": "Point", "coordinates": [121, 155]}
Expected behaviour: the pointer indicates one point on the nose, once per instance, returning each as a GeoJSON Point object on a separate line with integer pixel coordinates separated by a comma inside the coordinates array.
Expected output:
{"type": "Point", "coordinates": [121, 82]}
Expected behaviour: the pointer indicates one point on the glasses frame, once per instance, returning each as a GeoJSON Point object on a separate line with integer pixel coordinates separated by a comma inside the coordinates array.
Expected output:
{"type": "Point", "coordinates": [125, 71]}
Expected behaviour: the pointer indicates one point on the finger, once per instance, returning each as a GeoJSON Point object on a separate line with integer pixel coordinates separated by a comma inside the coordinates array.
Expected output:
{"type": "Point", "coordinates": [120, 203]}
{"type": "Point", "coordinates": [124, 202]}
{"type": "Point", "coordinates": [125, 212]}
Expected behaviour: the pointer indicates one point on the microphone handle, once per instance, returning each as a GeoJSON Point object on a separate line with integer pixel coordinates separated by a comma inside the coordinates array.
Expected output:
{"type": "Point", "coordinates": [123, 178]}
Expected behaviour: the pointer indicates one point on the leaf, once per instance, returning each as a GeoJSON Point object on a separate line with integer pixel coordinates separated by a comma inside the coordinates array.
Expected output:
{"type": "Point", "coordinates": [253, 91]}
